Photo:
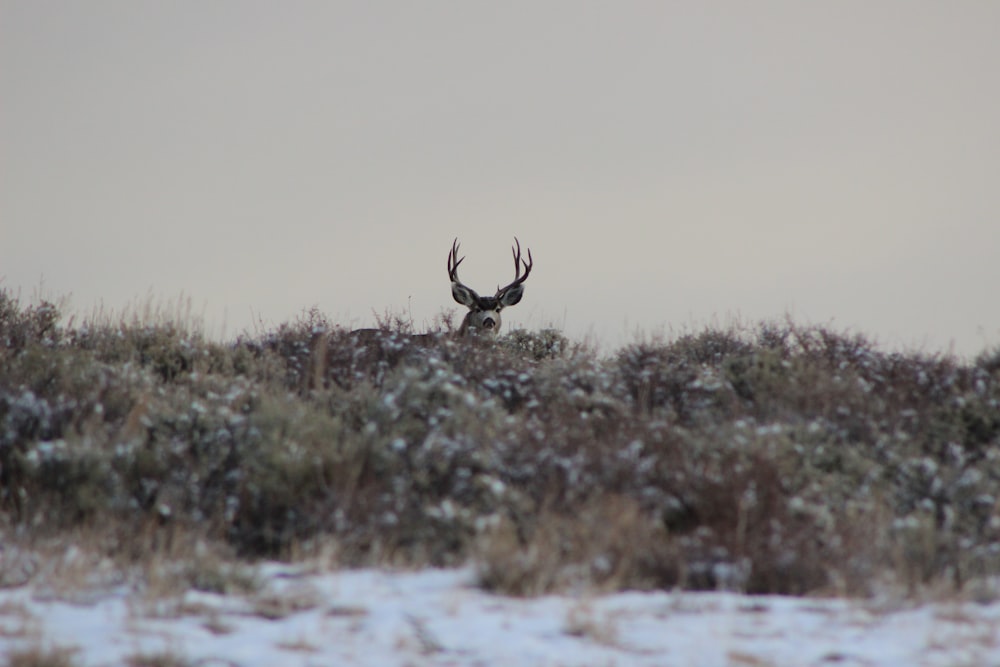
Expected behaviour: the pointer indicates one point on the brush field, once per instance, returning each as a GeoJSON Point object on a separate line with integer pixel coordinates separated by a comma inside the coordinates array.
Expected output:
{"type": "Point", "coordinates": [768, 458]}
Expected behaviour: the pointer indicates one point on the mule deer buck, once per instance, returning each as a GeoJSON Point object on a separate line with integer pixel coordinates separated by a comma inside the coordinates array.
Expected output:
{"type": "Point", "coordinates": [484, 311]}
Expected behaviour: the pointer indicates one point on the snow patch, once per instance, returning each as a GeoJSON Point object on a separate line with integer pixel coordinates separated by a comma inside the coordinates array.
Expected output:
{"type": "Point", "coordinates": [439, 617]}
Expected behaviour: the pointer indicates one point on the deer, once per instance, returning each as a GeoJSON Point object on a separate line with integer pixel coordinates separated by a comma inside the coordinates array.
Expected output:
{"type": "Point", "coordinates": [484, 311]}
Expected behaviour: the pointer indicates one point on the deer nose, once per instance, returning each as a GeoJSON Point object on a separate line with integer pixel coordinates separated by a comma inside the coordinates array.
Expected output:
{"type": "Point", "coordinates": [488, 323]}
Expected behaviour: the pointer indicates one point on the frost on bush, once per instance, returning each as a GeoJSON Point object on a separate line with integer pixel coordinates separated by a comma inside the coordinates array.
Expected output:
{"type": "Point", "coordinates": [543, 344]}
{"type": "Point", "coordinates": [775, 459]}
{"type": "Point", "coordinates": [22, 326]}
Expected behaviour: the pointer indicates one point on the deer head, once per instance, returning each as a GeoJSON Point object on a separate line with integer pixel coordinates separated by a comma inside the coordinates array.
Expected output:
{"type": "Point", "coordinates": [484, 311]}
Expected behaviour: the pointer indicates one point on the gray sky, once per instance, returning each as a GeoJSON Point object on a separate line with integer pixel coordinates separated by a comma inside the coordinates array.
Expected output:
{"type": "Point", "coordinates": [669, 164]}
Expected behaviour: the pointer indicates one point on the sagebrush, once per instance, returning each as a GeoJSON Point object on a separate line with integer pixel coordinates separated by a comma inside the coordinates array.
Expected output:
{"type": "Point", "coordinates": [764, 458]}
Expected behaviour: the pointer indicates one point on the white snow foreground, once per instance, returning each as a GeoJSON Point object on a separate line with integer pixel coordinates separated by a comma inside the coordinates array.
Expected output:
{"type": "Point", "coordinates": [437, 617]}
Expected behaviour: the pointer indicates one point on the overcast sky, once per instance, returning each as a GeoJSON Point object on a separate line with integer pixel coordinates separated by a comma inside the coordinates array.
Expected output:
{"type": "Point", "coordinates": [668, 163]}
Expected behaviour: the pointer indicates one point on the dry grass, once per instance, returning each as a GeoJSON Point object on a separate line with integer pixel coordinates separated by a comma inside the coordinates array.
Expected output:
{"type": "Point", "coordinates": [608, 545]}
{"type": "Point", "coordinates": [159, 659]}
{"type": "Point", "coordinates": [17, 621]}
{"type": "Point", "coordinates": [583, 621]}
{"type": "Point", "coordinates": [767, 458]}
{"type": "Point", "coordinates": [40, 656]}
{"type": "Point", "coordinates": [274, 606]}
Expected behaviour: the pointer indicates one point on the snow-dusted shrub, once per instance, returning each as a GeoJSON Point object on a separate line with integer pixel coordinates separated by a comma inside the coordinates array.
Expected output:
{"type": "Point", "coordinates": [543, 344]}
{"type": "Point", "coordinates": [21, 326]}
{"type": "Point", "coordinates": [767, 459]}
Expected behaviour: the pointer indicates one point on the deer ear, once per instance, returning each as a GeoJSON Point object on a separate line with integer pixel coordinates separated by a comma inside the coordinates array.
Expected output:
{"type": "Point", "coordinates": [463, 294]}
{"type": "Point", "coordinates": [511, 296]}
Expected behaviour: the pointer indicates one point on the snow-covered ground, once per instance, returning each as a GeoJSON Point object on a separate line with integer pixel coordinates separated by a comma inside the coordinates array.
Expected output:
{"type": "Point", "coordinates": [437, 617]}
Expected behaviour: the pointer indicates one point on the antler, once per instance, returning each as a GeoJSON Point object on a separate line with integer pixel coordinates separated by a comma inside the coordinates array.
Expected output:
{"type": "Point", "coordinates": [518, 278]}
{"type": "Point", "coordinates": [462, 294]}
{"type": "Point", "coordinates": [453, 264]}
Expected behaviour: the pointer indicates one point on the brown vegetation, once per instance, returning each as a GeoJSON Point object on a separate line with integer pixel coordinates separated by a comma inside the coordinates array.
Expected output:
{"type": "Point", "coordinates": [769, 458]}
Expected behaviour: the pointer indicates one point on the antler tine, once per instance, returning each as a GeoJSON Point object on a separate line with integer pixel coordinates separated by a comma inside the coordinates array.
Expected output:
{"type": "Point", "coordinates": [518, 261]}
{"type": "Point", "coordinates": [454, 261]}
{"type": "Point", "coordinates": [518, 278]}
